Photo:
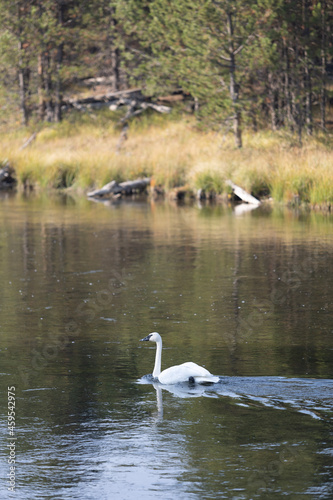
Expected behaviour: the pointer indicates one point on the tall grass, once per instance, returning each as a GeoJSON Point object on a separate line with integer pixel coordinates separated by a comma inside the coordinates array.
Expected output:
{"type": "Point", "coordinates": [81, 153]}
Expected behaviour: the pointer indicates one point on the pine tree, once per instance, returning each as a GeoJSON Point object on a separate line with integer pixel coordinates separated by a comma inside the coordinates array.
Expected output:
{"type": "Point", "coordinates": [240, 60]}
{"type": "Point", "coordinates": [203, 47]}
{"type": "Point", "coordinates": [16, 50]}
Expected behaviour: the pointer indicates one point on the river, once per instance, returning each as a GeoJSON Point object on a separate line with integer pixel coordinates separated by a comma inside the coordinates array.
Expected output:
{"type": "Point", "coordinates": [247, 294]}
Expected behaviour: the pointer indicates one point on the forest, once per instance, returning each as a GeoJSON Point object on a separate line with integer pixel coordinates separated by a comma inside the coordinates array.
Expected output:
{"type": "Point", "coordinates": [245, 63]}
{"type": "Point", "coordinates": [245, 87]}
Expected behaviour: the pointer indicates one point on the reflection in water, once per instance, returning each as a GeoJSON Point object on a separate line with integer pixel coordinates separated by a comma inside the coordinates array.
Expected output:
{"type": "Point", "coordinates": [244, 208]}
{"type": "Point", "coordinates": [159, 400]}
{"type": "Point", "coordinates": [248, 295]}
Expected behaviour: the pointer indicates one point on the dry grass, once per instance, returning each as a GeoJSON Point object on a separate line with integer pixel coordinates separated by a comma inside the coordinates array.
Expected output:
{"type": "Point", "coordinates": [83, 155]}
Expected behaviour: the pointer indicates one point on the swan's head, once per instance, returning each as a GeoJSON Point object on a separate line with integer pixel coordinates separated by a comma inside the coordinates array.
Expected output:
{"type": "Point", "coordinates": [153, 337]}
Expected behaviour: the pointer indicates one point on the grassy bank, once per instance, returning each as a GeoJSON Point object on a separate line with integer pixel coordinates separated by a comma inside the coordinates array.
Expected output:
{"type": "Point", "coordinates": [81, 153]}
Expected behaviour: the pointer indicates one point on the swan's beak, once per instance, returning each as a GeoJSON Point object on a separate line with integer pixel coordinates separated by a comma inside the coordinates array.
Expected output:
{"type": "Point", "coordinates": [146, 338]}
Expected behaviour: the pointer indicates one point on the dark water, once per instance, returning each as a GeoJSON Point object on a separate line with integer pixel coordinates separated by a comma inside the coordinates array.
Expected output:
{"type": "Point", "coordinates": [248, 295]}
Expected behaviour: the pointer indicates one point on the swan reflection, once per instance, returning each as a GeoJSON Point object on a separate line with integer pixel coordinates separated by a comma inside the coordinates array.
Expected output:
{"type": "Point", "coordinates": [180, 391]}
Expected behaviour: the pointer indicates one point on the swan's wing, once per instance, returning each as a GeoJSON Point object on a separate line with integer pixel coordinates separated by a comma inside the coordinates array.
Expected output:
{"type": "Point", "coordinates": [200, 374]}
{"type": "Point", "coordinates": [196, 370]}
{"type": "Point", "coordinates": [182, 373]}
{"type": "Point", "coordinates": [174, 374]}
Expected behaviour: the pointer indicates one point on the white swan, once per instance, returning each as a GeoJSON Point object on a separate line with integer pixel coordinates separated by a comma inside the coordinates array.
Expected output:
{"type": "Point", "coordinates": [187, 372]}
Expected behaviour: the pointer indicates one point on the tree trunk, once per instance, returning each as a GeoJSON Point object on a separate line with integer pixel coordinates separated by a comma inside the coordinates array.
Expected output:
{"type": "Point", "coordinates": [22, 73]}
{"type": "Point", "coordinates": [59, 59]}
{"type": "Point", "coordinates": [40, 89]}
{"type": "Point", "coordinates": [297, 99]}
{"type": "Point", "coordinates": [58, 85]}
{"type": "Point", "coordinates": [234, 87]}
{"type": "Point", "coordinates": [278, 96]}
{"type": "Point", "coordinates": [48, 89]}
{"type": "Point", "coordinates": [272, 102]}
{"type": "Point", "coordinates": [114, 53]}
{"type": "Point", "coordinates": [307, 73]}
{"type": "Point", "coordinates": [287, 90]}
{"type": "Point", "coordinates": [323, 93]}
{"type": "Point", "coordinates": [115, 65]}
{"type": "Point", "coordinates": [308, 98]}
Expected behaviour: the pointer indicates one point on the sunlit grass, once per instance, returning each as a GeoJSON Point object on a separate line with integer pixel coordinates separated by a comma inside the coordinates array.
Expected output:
{"type": "Point", "coordinates": [83, 153]}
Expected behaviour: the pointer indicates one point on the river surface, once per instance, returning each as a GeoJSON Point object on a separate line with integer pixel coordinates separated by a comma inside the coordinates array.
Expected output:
{"type": "Point", "coordinates": [246, 294]}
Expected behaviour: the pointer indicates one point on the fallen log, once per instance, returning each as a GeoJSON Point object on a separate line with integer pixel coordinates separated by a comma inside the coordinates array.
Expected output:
{"type": "Point", "coordinates": [28, 141]}
{"type": "Point", "coordinates": [242, 194]}
{"type": "Point", "coordinates": [122, 189]}
{"type": "Point", "coordinates": [133, 99]}
{"type": "Point", "coordinates": [135, 108]}
{"type": "Point", "coordinates": [121, 96]}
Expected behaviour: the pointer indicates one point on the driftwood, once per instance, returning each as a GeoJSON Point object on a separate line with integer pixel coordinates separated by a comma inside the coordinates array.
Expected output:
{"type": "Point", "coordinates": [123, 188]}
{"type": "Point", "coordinates": [135, 108]}
{"type": "Point", "coordinates": [98, 80]}
{"type": "Point", "coordinates": [28, 141]}
{"type": "Point", "coordinates": [7, 181]}
{"type": "Point", "coordinates": [133, 99]}
{"type": "Point", "coordinates": [118, 98]}
{"type": "Point", "coordinates": [123, 98]}
{"type": "Point", "coordinates": [242, 194]}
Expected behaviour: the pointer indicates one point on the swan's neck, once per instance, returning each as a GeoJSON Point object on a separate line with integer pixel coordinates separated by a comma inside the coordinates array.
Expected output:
{"type": "Point", "coordinates": [157, 367]}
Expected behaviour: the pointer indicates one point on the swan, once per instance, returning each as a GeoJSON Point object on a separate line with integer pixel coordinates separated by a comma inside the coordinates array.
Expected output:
{"type": "Point", "coordinates": [187, 372]}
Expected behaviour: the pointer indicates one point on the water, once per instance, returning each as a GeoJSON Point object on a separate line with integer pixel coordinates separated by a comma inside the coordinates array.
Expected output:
{"type": "Point", "coordinates": [248, 295]}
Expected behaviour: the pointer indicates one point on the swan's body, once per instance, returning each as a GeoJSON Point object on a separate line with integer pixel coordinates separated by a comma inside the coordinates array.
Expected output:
{"type": "Point", "coordinates": [187, 372]}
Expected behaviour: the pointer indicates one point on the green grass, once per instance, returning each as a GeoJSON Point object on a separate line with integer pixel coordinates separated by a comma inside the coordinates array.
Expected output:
{"type": "Point", "coordinates": [81, 153]}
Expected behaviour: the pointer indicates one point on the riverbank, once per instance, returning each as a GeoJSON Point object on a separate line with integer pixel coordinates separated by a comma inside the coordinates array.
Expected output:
{"type": "Point", "coordinates": [83, 152]}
